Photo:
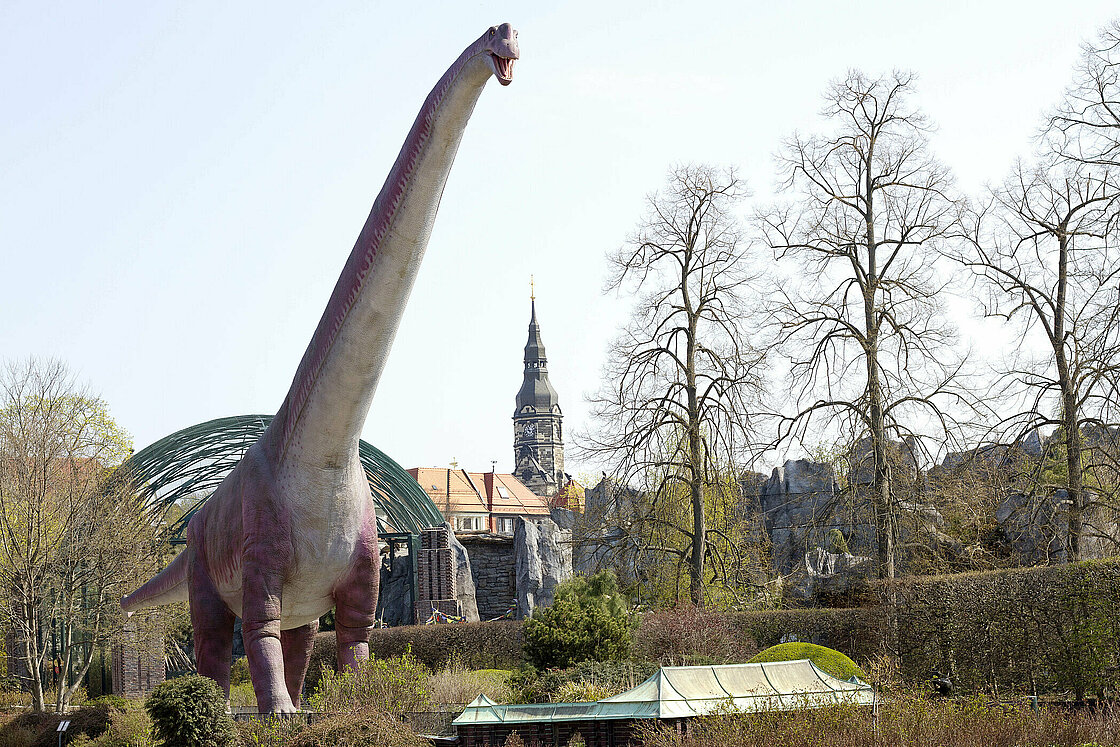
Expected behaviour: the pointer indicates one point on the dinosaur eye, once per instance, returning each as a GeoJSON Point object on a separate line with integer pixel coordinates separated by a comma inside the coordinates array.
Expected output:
{"type": "Point", "coordinates": [491, 33]}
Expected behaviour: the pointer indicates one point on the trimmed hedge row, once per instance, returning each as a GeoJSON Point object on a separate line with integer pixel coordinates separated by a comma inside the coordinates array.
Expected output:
{"type": "Point", "coordinates": [1031, 630]}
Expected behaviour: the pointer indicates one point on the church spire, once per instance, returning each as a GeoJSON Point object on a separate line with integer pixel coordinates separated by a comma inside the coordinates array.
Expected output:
{"type": "Point", "coordinates": [536, 390]}
{"type": "Point", "coordinates": [538, 440]}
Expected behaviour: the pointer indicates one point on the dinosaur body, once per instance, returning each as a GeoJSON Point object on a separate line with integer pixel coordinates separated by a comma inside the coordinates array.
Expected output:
{"type": "Point", "coordinates": [291, 533]}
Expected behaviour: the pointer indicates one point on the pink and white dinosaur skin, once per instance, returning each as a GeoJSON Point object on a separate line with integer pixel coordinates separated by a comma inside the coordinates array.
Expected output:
{"type": "Point", "coordinates": [291, 531]}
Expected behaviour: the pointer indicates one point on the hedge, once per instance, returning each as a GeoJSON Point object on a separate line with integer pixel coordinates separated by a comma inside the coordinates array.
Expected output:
{"type": "Point", "coordinates": [1031, 630]}
{"type": "Point", "coordinates": [481, 645]}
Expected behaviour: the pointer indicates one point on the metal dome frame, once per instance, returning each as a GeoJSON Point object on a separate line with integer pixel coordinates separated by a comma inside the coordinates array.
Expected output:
{"type": "Point", "coordinates": [186, 467]}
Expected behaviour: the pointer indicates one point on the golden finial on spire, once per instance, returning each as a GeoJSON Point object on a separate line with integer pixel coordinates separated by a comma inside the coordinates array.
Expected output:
{"type": "Point", "coordinates": [532, 290]}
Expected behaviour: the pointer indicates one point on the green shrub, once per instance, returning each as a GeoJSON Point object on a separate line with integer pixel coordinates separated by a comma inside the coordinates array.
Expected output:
{"type": "Point", "coordinates": [272, 731]}
{"type": "Point", "coordinates": [480, 645]}
{"type": "Point", "coordinates": [362, 728]}
{"type": "Point", "coordinates": [827, 660]}
{"type": "Point", "coordinates": [1030, 630]}
{"type": "Point", "coordinates": [129, 726]}
{"type": "Point", "coordinates": [190, 711]}
{"type": "Point", "coordinates": [861, 632]}
{"type": "Point", "coordinates": [239, 671]}
{"type": "Point", "coordinates": [587, 621]}
{"type": "Point", "coordinates": [394, 685]}
{"type": "Point", "coordinates": [585, 678]}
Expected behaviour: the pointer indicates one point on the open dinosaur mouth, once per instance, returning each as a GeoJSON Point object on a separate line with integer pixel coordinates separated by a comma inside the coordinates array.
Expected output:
{"type": "Point", "coordinates": [503, 68]}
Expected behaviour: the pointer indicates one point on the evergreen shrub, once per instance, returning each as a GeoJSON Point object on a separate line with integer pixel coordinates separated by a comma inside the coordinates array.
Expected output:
{"type": "Point", "coordinates": [587, 621]}
{"type": "Point", "coordinates": [190, 711]}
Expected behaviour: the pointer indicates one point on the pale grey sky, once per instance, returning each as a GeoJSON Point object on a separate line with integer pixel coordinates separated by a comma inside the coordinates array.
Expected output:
{"type": "Point", "coordinates": [180, 184]}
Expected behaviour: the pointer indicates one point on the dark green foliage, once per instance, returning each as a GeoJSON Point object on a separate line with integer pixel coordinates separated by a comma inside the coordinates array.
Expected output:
{"type": "Point", "coordinates": [190, 711]}
{"type": "Point", "coordinates": [1050, 629]}
{"type": "Point", "coordinates": [239, 671]}
{"type": "Point", "coordinates": [826, 659]}
{"type": "Point", "coordinates": [587, 621]}
{"type": "Point", "coordinates": [482, 645]}
{"type": "Point", "coordinates": [533, 686]}
{"type": "Point", "coordinates": [363, 728]}
{"type": "Point", "coordinates": [688, 634]}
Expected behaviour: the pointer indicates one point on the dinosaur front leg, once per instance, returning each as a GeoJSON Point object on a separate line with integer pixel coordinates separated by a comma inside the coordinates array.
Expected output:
{"type": "Point", "coordinates": [296, 644]}
{"type": "Point", "coordinates": [213, 622]}
{"type": "Point", "coordinates": [355, 599]}
{"type": "Point", "coordinates": [260, 626]}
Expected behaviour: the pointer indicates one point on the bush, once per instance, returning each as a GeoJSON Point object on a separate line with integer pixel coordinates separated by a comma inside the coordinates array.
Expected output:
{"type": "Point", "coordinates": [190, 711]}
{"type": "Point", "coordinates": [902, 721]}
{"type": "Point", "coordinates": [1047, 629]}
{"type": "Point", "coordinates": [394, 685]}
{"type": "Point", "coordinates": [363, 728]}
{"type": "Point", "coordinates": [457, 686]}
{"type": "Point", "coordinates": [580, 681]}
{"type": "Point", "coordinates": [239, 671]}
{"type": "Point", "coordinates": [481, 645]}
{"type": "Point", "coordinates": [587, 621]}
{"type": "Point", "coordinates": [90, 721]}
{"type": "Point", "coordinates": [688, 634]}
{"type": "Point", "coordinates": [826, 659]}
{"type": "Point", "coordinates": [272, 731]}
{"type": "Point", "coordinates": [861, 632]}
{"type": "Point", "coordinates": [129, 726]}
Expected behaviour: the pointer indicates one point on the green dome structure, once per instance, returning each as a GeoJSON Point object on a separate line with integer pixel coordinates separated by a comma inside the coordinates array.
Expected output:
{"type": "Point", "coordinates": [183, 469]}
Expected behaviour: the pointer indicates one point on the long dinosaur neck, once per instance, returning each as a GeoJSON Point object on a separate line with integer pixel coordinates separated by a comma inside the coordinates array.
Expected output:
{"type": "Point", "coordinates": [324, 412]}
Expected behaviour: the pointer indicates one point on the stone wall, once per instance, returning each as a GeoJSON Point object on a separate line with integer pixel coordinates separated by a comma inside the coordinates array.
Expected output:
{"type": "Point", "coordinates": [495, 576]}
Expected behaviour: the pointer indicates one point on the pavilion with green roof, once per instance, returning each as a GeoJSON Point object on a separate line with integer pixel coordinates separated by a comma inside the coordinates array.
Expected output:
{"type": "Point", "coordinates": [672, 694]}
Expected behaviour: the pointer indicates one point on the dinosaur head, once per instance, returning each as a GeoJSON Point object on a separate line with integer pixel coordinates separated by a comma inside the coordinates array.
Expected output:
{"type": "Point", "coordinates": [500, 45]}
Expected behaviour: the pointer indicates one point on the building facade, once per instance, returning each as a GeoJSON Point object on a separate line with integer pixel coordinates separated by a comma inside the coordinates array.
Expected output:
{"type": "Point", "coordinates": [479, 501]}
{"type": "Point", "coordinates": [538, 423]}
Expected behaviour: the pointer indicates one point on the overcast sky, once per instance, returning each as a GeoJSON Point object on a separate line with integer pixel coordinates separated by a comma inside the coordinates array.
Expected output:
{"type": "Point", "coordinates": [181, 184]}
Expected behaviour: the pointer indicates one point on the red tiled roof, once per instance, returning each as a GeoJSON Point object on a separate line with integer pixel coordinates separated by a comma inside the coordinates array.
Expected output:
{"type": "Point", "coordinates": [458, 491]}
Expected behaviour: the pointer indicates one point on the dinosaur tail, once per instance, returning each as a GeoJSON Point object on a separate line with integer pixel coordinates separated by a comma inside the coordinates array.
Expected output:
{"type": "Point", "coordinates": [169, 585]}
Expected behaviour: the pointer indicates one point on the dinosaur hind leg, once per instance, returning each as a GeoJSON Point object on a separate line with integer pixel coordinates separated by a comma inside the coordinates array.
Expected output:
{"type": "Point", "coordinates": [213, 623]}
{"type": "Point", "coordinates": [355, 599]}
{"type": "Point", "coordinates": [296, 645]}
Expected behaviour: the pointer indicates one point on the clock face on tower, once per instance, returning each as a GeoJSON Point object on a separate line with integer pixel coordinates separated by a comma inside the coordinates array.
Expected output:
{"type": "Point", "coordinates": [530, 430]}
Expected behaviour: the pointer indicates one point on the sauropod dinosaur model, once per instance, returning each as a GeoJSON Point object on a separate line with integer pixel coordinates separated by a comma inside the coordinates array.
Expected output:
{"type": "Point", "coordinates": [291, 533]}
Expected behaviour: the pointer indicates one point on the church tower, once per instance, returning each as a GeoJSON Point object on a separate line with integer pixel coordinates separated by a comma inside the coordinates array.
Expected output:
{"type": "Point", "coordinates": [538, 434]}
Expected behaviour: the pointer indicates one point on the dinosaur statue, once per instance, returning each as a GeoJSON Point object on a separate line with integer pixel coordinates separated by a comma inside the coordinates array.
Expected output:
{"type": "Point", "coordinates": [291, 533]}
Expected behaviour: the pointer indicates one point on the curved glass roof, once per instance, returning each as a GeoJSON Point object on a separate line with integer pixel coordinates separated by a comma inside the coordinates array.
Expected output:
{"type": "Point", "coordinates": [177, 474]}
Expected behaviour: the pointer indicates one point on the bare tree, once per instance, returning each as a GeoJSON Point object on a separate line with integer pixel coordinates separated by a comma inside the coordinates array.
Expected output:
{"type": "Point", "coordinates": [1045, 248]}
{"type": "Point", "coordinates": [673, 413]}
{"type": "Point", "coordinates": [69, 544]}
{"type": "Point", "coordinates": [862, 321]}
{"type": "Point", "coordinates": [1086, 125]}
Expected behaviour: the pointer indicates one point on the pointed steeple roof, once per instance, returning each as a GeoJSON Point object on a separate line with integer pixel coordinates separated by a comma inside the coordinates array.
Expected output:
{"type": "Point", "coordinates": [536, 391]}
